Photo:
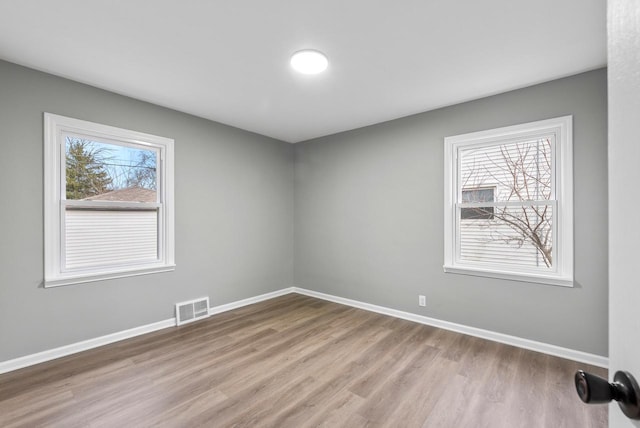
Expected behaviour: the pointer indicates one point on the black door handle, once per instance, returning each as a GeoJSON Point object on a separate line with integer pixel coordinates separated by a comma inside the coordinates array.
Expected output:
{"type": "Point", "coordinates": [624, 389]}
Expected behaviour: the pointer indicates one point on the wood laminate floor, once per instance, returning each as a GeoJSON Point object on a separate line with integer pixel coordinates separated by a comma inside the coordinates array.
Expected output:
{"type": "Point", "coordinates": [296, 361]}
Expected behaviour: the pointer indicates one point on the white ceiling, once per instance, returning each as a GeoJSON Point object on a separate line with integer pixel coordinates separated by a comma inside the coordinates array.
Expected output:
{"type": "Point", "coordinates": [228, 61]}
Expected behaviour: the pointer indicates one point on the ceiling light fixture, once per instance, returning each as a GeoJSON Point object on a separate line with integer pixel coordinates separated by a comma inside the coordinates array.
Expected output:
{"type": "Point", "coordinates": [309, 61]}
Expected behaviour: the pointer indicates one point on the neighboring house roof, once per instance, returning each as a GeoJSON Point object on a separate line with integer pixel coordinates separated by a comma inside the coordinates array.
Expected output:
{"type": "Point", "coordinates": [129, 194]}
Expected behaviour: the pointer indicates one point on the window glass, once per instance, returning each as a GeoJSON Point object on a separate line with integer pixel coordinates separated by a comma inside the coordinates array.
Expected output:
{"type": "Point", "coordinates": [103, 171]}
{"type": "Point", "coordinates": [519, 171]}
{"type": "Point", "coordinates": [477, 195]}
{"type": "Point", "coordinates": [514, 235]}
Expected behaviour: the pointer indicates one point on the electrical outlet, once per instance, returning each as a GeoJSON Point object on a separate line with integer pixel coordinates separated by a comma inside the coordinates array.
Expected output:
{"type": "Point", "coordinates": [422, 300]}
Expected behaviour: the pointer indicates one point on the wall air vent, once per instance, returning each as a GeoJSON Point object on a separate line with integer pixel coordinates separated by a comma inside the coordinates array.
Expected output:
{"type": "Point", "coordinates": [192, 310]}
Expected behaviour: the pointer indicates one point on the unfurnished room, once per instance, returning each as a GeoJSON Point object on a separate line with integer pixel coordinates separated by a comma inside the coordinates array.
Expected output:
{"type": "Point", "coordinates": [319, 214]}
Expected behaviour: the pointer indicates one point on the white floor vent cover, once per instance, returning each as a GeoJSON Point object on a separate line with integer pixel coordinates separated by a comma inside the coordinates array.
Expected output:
{"type": "Point", "coordinates": [192, 310]}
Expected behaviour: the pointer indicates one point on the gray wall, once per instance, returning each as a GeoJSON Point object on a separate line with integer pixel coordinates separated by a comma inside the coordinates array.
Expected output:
{"type": "Point", "coordinates": [234, 217]}
{"type": "Point", "coordinates": [369, 218]}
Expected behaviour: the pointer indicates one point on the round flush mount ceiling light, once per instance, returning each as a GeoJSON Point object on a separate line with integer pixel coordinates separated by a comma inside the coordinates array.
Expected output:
{"type": "Point", "coordinates": [309, 61]}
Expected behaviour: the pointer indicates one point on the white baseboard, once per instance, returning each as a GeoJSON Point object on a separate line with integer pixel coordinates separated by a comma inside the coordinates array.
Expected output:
{"type": "Point", "coordinates": [41, 357]}
{"type": "Point", "coordinates": [558, 351]}
{"type": "Point", "coordinates": [250, 301]}
{"type": "Point", "coordinates": [63, 351]}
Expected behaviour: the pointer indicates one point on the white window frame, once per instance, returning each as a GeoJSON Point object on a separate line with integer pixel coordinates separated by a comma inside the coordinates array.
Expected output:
{"type": "Point", "coordinates": [55, 128]}
{"type": "Point", "coordinates": [562, 183]}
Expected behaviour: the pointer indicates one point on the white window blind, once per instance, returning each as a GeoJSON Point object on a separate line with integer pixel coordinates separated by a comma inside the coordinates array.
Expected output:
{"type": "Point", "coordinates": [102, 238]}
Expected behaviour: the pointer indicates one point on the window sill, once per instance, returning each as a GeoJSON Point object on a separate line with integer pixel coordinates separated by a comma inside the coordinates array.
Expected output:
{"type": "Point", "coordinates": [526, 277]}
{"type": "Point", "coordinates": [85, 277]}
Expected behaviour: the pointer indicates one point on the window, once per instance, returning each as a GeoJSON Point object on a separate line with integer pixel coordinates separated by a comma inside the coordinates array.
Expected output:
{"type": "Point", "coordinates": [108, 202]}
{"type": "Point", "coordinates": [509, 203]}
{"type": "Point", "coordinates": [478, 194]}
